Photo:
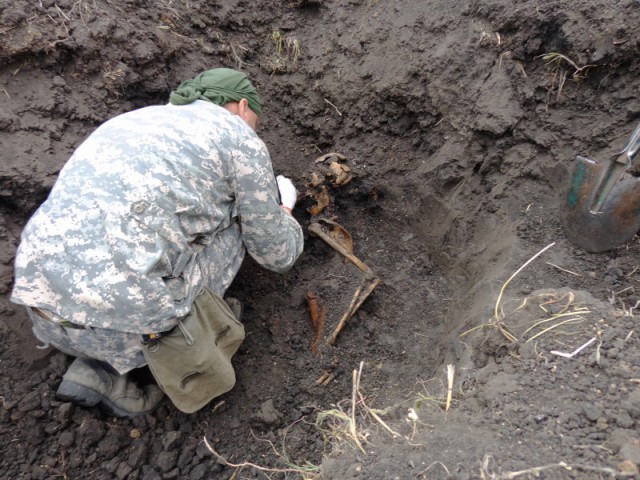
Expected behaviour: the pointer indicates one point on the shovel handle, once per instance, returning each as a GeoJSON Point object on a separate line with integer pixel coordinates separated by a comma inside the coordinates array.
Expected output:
{"type": "Point", "coordinates": [623, 161]}
{"type": "Point", "coordinates": [632, 146]}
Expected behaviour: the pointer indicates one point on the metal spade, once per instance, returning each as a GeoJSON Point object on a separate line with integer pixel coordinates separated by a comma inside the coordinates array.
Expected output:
{"type": "Point", "coordinates": [601, 206]}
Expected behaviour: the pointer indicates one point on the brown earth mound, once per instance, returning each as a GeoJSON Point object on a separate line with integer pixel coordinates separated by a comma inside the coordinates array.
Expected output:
{"type": "Point", "coordinates": [458, 123]}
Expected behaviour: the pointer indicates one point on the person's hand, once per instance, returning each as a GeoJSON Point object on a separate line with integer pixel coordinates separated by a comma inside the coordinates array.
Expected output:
{"type": "Point", "coordinates": [288, 193]}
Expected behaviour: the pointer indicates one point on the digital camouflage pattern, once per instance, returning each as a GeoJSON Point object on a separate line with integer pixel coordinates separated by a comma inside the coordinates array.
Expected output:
{"type": "Point", "coordinates": [155, 205]}
{"type": "Point", "coordinates": [122, 350]}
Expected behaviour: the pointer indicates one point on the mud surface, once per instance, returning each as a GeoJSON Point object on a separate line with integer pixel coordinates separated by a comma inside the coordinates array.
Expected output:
{"type": "Point", "coordinates": [459, 135]}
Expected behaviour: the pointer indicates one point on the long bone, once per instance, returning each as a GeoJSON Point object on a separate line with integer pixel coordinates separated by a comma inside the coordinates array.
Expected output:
{"type": "Point", "coordinates": [371, 281]}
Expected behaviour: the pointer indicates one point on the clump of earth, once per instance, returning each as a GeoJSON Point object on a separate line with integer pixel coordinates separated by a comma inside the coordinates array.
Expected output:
{"type": "Point", "coordinates": [457, 124]}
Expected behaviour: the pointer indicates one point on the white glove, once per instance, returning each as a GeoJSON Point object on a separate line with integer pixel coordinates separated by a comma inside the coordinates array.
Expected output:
{"type": "Point", "coordinates": [288, 193]}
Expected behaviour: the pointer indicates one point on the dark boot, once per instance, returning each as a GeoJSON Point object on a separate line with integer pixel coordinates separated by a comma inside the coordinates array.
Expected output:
{"type": "Point", "coordinates": [89, 383]}
{"type": "Point", "coordinates": [236, 307]}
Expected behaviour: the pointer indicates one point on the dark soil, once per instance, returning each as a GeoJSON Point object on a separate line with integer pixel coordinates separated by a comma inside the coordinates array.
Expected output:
{"type": "Point", "coordinates": [459, 136]}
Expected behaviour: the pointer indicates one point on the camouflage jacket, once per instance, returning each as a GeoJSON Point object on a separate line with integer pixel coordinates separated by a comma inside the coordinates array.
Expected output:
{"type": "Point", "coordinates": [152, 207]}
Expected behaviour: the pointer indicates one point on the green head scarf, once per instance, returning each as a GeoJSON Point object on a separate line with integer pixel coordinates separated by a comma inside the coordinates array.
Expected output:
{"type": "Point", "coordinates": [219, 86]}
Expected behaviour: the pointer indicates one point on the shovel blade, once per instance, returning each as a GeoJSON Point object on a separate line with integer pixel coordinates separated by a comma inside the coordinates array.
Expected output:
{"type": "Point", "coordinates": [618, 219]}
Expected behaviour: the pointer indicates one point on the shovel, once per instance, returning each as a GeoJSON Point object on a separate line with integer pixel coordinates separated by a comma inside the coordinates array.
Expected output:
{"type": "Point", "coordinates": [601, 207]}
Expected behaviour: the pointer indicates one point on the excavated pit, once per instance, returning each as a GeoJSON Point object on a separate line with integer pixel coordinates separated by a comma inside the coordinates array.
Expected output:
{"type": "Point", "coordinates": [459, 137]}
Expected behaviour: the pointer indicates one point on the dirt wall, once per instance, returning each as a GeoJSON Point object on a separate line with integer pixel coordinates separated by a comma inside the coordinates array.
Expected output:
{"type": "Point", "coordinates": [459, 122]}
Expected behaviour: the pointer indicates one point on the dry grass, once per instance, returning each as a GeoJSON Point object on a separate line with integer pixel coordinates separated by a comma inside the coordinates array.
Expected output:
{"type": "Point", "coordinates": [112, 79]}
{"type": "Point", "coordinates": [561, 68]}
{"type": "Point", "coordinates": [487, 38]}
{"type": "Point", "coordinates": [564, 306]}
{"type": "Point", "coordinates": [487, 473]}
{"type": "Point", "coordinates": [436, 393]}
{"type": "Point", "coordinates": [57, 473]}
{"type": "Point", "coordinates": [308, 471]}
{"type": "Point", "coordinates": [348, 424]}
{"type": "Point", "coordinates": [559, 309]}
{"type": "Point", "coordinates": [287, 52]}
{"type": "Point", "coordinates": [35, 33]}
{"type": "Point", "coordinates": [82, 10]}
{"type": "Point", "coordinates": [343, 426]}
{"type": "Point", "coordinates": [499, 315]}
{"type": "Point", "coordinates": [433, 395]}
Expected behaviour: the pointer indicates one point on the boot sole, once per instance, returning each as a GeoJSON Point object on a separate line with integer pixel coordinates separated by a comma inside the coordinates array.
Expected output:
{"type": "Point", "coordinates": [111, 409]}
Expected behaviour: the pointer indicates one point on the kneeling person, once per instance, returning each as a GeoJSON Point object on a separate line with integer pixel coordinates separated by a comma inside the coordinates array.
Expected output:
{"type": "Point", "coordinates": [149, 221]}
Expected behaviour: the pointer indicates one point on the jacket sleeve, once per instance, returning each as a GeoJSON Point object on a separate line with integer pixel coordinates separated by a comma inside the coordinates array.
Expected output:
{"type": "Point", "coordinates": [272, 237]}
